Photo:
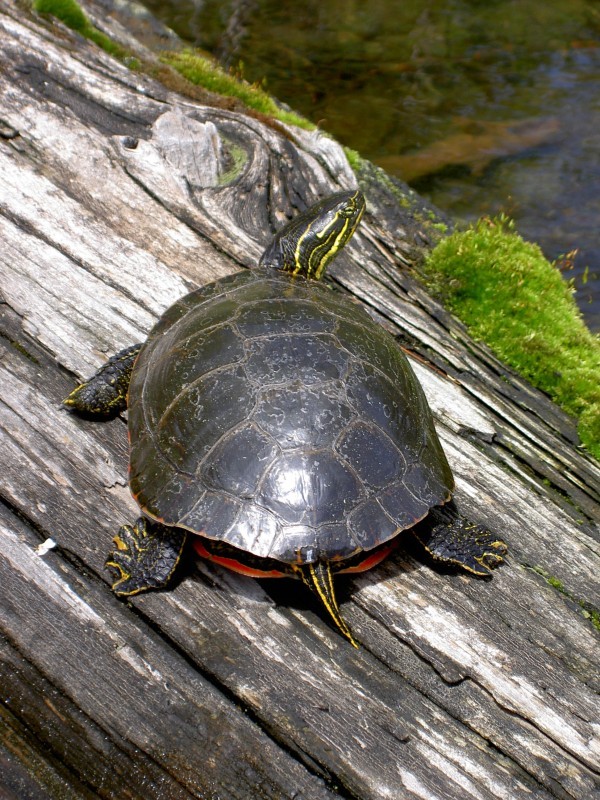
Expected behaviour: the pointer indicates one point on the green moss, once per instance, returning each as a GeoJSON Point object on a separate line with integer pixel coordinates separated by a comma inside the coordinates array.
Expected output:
{"type": "Point", "coordinates": [587, 610]}
{"type": "Point", "coordinates": [511, 297]}
{"type": "Point", "coordinates": [238, 158]}
{"type": "Point", "coordinates": [354, 159]}
{"type": "Point", "coordinates": [203, 72]}
{"type": "Point", "coordinates": [19, 348]}
{"type": "Point", "coordinates": [73, 16]}
{"type": "Point", "coordinates": [105, 43]}
{"type": "Point", "coordinates": [134, 64]}
{"type": "Point", "coordinates": [556, 584]}
{"type": "Point", "coordinates": [68, 11]}
{"type": "Point", "coordinates": [593, 616]}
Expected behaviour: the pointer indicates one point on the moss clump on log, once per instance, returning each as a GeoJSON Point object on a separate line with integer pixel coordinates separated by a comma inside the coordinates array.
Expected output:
{"type": "Point", "coordinates": [202, 71]}
{"type": "Point", "coordinates": [511, 297]}
{"type": "Point", "coordinates": [73, 16]}
{"type": "Point", "coordinates": [68, 11]}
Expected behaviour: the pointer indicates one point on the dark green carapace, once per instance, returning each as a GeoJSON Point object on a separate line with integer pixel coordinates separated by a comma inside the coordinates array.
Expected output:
{"type": "Point", "coordinates": [274, 419]}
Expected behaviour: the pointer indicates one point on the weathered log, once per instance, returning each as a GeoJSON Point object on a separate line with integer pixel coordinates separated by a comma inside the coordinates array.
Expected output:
{"type": "Point", "coordinates": [117, 196]}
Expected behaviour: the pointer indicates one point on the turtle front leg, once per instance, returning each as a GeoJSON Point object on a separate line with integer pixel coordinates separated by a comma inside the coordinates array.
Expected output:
{"type": "Point", "coordinates": [146, 556]}
{"type": "Point", "coordinates": [105, 393]}
{"type": "Point", "coordinates": [453, 540]}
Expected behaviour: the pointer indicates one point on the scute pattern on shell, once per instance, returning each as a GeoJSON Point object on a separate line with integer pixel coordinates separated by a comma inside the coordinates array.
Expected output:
{"type": "Point", "coordinates": [274, 414]}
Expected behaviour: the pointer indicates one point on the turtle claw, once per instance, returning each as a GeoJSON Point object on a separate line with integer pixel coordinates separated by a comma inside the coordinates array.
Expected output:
{"type": "Point", "coordinates": [455, 540]}
{"type": "Point", "coordinates": [493, 558]}
{"type": "Point", "coordinates": [145, 557]}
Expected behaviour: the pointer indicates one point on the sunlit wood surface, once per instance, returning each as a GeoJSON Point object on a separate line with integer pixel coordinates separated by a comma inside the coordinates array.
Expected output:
{"type": "Point", "coordinates": [117, 196]}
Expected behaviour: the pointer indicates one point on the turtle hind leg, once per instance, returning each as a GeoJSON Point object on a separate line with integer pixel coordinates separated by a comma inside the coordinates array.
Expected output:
{"type": "Point", "coordinates": [146, 556]}
{"type": "Point", "coordinates": [105, 393]}
{"type": "Point", "coordinates": [451, 539]}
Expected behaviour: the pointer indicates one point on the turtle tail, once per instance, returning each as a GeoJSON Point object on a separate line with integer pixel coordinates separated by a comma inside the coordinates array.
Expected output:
{"type": "Point", "coordinates": [318, 578]}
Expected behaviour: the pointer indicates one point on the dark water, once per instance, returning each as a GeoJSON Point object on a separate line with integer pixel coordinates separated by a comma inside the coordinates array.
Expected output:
{"type": "Point", "coordinates": [482, 105]}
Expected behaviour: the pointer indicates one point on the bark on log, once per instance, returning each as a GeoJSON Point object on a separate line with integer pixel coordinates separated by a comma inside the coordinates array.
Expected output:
{"type": "Point", "coordinates": [117, 196]}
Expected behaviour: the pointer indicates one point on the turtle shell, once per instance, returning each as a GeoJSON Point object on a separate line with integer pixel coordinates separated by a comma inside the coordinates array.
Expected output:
{"type": "Point", "coordinates": [270, 413]}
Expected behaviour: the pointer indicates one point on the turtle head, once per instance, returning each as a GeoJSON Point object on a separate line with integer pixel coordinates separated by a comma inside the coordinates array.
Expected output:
{"type": "Point", "coordinates": [306, 245]}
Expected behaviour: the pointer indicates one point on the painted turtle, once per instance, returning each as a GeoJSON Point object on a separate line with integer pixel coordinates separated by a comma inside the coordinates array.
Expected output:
{"type": "Point", "coordinates": [276, 421]}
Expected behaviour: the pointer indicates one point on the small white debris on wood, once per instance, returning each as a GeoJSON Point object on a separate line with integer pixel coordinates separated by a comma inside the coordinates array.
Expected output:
{"type": "Point", "coordinates": [45, 547]}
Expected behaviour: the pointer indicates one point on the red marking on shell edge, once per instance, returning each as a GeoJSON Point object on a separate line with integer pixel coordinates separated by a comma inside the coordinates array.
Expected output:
{"type": "Point", "coordinates": [371, 560]}
{"type": "Point", "coordinates": [234, 565]}
{"type": "Point", "coordinates": [147, 514]}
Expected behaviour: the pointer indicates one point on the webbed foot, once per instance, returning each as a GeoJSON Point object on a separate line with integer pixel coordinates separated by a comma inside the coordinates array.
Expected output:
{"type": "Point", "coordinates": [105, 393]}
{"type": "Point", "coordinates": [146, 556]}
{"type": "Point", "coordinates": [452, 539]}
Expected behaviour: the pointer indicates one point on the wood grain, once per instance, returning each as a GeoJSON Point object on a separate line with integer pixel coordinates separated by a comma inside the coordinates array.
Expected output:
{"type": "Point", "coordinates": [118, 195]}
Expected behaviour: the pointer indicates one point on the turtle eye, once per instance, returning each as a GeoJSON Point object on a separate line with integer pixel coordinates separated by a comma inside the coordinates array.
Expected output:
{"type": "Point", "coordinates": [347, 211]}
